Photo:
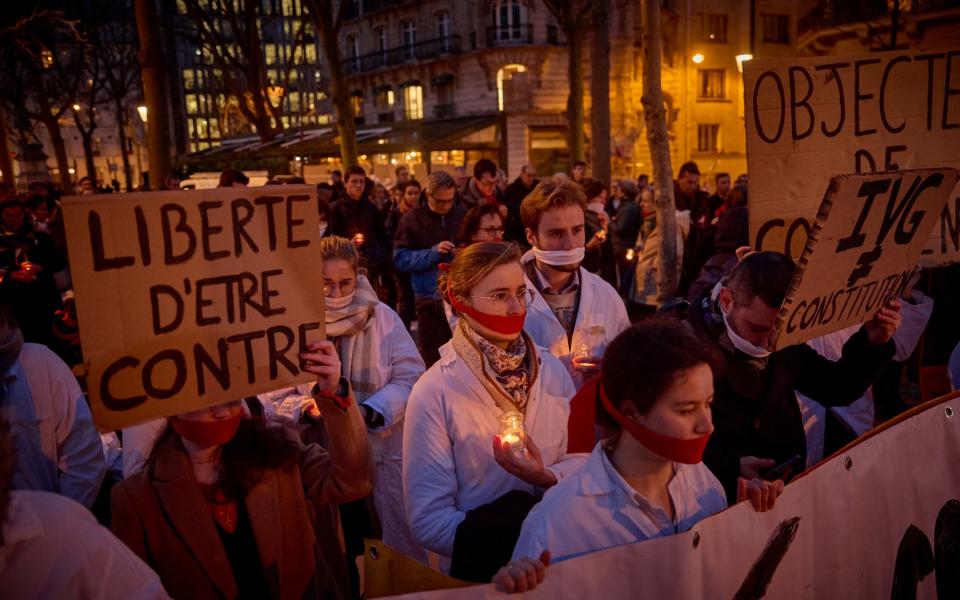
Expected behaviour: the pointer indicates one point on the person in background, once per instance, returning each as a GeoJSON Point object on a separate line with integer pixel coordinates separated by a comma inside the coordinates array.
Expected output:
{"type": "Point", "coordinates": [689, 196]}
{"type": "Point", "coordinates": [233, 178]}
{"type": "Point", "coordinates": [598, 256]}
{"type": "Point", "coordinates": [484, 431]}
{"type": "Point", "coordinates": [642, 296]}
{"type": "Point", "coordinates": [482, 187]}
{"type": "Point", "coordinates": [578, 172]}
{"type": "Point", "coordinates": [229, 504]}
{"type": "Point", "coordinates": [408, 198]}
{"type": "Point", "coordinates": [58, 448]}
{"type": "Point", "coordinates": [643, 181]}
{"type": "Point", "coordinates": [501, 181]}
{"type": "Point", "coordinates": [323, 218]}
{"type": "Point", "coordinates": [521, 186]}
{"type": "Point", "coordinates": [461, 178]}
{"type": "Point", "coordinates": [86, 186]}
{"type": "Point", "coordinates": [380, 196]}
{"type": "Point", "coordinates": [624, 228]}
{"type": "Point", "coordinates": [172, 182]}
{"type": "Point", "coordinates": [732, 233]}
{"type": "Point", "coordinates": [646, 479]}
{"type": "Point", "coordinates": [402, 174]}
{"type": "Point", "coordinates": [52, 547]}
{"type": "Point", "coordinates": [574, 313]}
{"type": "Point", "coordinates": [719, 196]}
{"type": "Point", "coordinates": [482, 223]}
{"type": "Point", "coordinates": [755, 409]}
{"type": "Point", "coordinates": [424, 240]}
{"type": "Point", "coordinates": [356, 218]}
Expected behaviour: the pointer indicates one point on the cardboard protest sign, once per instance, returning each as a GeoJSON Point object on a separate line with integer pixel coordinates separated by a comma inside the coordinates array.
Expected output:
{"type": "Point", "coordinates": [810, 118]}
{"type": "Point", "coordinates": [862, 249]}
{"type": "Point", "coordinates": [190, 299]}
{"type": "Point", "coordinates": [856, 526]}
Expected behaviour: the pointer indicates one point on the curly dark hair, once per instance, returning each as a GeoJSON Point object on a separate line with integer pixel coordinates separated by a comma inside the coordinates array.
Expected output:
{"type": "Point", "coordinates": [256, 447]}
{"type": "Point", "coordinates": [654, 353]}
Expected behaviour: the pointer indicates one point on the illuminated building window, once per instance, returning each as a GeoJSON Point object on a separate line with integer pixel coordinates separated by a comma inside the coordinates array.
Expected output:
{"type": "Point", "coordinates": [270, 54]}
{"type": "Point", "coordinates": [294, 101]}
{"type": "Point", "coordinates": [711, 83]}
{"type": "Point", "coordinates": [190, 100]}
{"type": "Point", "coordinates": [413, 101]}
{"type": "Point", "coordinates": [708, 137]}
{"type": "Point", "coordinates": [311, 53]}
{"type": "Point", "coordinates": [189, 81]}
{"type": "Point", "coordinates": [713, 28]}
{"type": "Point", "coordinates": [506, 74]}
{"type": "Point", "coordinates": [214, 128]}
{"type": "Point", "coordinates": [385, 99]}
{"type": "Point", "coordinates": [356, 102]}
{"type": "Point", "coordinates": [509, 20]}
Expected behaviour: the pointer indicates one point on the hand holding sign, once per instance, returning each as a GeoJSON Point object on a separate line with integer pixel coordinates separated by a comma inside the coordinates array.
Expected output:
{"type": "Point", "coordinates": [884, 324]}
{"type": "Point", "coordinates": [322, 360]}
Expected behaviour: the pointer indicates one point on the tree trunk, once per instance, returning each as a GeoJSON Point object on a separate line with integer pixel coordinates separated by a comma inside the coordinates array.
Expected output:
{"type": "Point", "coordinates": [600, 92]}
{"type": "Point", "coordinates": [86, 140]}
{"type": "Point", "coordinates": [575, 112]}
{"type": "Point", "coordinates": [152, 64]}
{"type": "Point", "coordinates": [122, 139]}
{"type": "Point", "coordinates": [60, 152]}
{"type": "Point", "coordinates": [655, 119]}
{"type": "Point", "coordinates": [346, 124]}
{"type": "Point", "coordinates": [6, 165]}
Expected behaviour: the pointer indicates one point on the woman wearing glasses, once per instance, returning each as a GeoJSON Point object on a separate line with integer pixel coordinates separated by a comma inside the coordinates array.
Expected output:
{"type": "Point", "coordinates": [380, 364]}
{"type": "Point", "coordinates": [482, 223]}
{"type": "Point", "coordinates": [486, 426]}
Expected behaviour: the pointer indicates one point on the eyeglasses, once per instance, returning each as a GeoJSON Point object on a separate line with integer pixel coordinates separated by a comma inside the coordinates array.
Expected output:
{"type": "Point", "coordinates": [494, 231]}
{"type": "Point", "coordinates": [499, 299]}
{"type": "Point", "coordinates": [345, 287]}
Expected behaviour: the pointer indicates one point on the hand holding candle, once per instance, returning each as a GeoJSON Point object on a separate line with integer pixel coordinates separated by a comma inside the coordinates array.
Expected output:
{"type": "Point", "coordinates": [521, 459]}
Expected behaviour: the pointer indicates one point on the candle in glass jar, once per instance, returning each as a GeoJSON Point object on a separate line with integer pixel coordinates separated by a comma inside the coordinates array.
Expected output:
{"type": "Point", "coordinates": [511, 429]}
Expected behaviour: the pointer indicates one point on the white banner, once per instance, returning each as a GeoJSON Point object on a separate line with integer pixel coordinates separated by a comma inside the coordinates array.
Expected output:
{"type": "Point", "coordinates": [835, 533]}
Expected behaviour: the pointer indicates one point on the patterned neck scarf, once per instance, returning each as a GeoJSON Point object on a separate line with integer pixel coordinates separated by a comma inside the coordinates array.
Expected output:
{"type": "Point", "coordinates": [506, 373]}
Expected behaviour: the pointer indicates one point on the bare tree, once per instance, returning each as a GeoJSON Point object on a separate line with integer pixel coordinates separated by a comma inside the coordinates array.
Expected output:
{"type": "Point", "coordinates": [153, 68]}
{"type": "Point", "coordinates": [229, 32]}
{"type": "Point", "coordinates": [573, 16]}
{"type": "Point", "coordinates": [89, 96]}
{"type": "Point", "coordinates": [600, 90]}
{"type": "Point", "coordinates": [40, 52]}
{"type": "Point", "coordinates": [115, 45]}
{"type": "Point", "coordinates": [327, 16]}
{"type": "Point", "coordinates": [654, 115]}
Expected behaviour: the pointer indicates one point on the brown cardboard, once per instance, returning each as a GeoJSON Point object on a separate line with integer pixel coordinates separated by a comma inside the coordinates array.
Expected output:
{"type": "Point", "coordinates": [863, 248]}
{"type": "Point", "coordinates": [127, 288]}
{"type": "Point", "coordinates": [899, 110]}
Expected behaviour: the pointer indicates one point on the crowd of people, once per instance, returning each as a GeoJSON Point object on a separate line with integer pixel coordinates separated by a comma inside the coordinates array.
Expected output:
{"type": "Point", "coordinates": [502, 387]}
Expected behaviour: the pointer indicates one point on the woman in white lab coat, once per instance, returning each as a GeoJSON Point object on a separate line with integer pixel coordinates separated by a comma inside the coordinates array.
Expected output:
{"type": "Point", "coordinates": [380, 364]}
{"type": "Point", "coordinates": [466, 462]}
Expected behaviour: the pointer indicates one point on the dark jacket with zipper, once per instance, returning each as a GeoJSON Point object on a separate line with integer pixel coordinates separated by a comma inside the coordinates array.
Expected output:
{"type": "Point", "coordinates": [755, 409]}
{"type": "Point", "coordinates": [414, 247]}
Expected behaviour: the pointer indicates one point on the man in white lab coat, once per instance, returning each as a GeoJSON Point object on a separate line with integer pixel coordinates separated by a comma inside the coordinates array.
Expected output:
{"type": "Point", "coordinates": [575, 314]}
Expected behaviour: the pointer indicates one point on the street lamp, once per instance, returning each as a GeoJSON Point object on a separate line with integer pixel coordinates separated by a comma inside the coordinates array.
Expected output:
{"type": "Point", "coordinates": [76, 107]}
{"type": "Point", "coordinates": [742, 58]}
{"type": "Point", "coordinates": [697, 58]}
{"type": "Point", "coordinates": [142, 110]}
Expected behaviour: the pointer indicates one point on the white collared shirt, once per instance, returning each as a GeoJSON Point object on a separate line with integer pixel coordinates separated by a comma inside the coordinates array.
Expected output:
{"type": "Point", "coordinates": [596, 509]}
{"type": "Point", "coordinates": [54, 548]}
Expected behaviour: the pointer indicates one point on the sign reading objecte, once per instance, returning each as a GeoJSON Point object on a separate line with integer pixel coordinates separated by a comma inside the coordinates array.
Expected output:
{"type": "Point", "coordinates": [810, 118]}
{"type": "Point", "coordinates": [862, 249]}
{"type": "Point", "coordinates": [191, 299]}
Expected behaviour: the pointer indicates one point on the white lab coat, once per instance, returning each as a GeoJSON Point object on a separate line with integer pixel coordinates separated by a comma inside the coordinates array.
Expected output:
{"type": "Point", "coordinates": [401, 366]}
{"type": "Point", "coordinates": [448, 464]}
{"type": "Point", "coordinates": [600, 304]}
{"type": "Point", "coordinates": [859, 415]}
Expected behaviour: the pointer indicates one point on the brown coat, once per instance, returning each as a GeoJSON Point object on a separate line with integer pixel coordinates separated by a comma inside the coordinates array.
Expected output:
{"type": "Point", "coordinates": [162, 515]}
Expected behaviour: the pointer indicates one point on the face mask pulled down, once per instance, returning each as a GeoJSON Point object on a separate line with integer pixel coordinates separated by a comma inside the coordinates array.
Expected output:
{"type": "Point", "coordinates": [741, 344]}
{"type": "Point", "coordinates": [688, 452]}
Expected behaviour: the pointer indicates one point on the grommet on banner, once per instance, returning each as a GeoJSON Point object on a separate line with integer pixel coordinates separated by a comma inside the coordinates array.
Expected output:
{"type": "Point", "coordinates": [374, 552]}
{"type": "Point", "coordinates": [696, 539]}
{"type": "Point", "coordinates": [948, 411]}
{"type": "Point", "coordinates": [848, 463]}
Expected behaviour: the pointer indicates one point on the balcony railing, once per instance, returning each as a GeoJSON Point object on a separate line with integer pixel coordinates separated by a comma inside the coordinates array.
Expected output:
{"type": "Point", "coordinates": [509, 35]}
{"type": "Point", "coordinates": [442, 111]}
{"type": "Point", "coordinates": [420, 51]}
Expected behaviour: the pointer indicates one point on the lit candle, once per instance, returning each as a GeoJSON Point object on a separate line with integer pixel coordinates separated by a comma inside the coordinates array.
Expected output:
{"type": "Point", "coordinates": [511, 429]}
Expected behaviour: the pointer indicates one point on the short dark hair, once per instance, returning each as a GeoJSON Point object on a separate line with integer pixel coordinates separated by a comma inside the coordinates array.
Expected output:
{"type": "Point", "coordinates": [593, 188]}
{"type": "Point", "coordinates": [471, 221]}
{"type": "Point", "coordinates": [654, 353]}
{"type": "Point", "coordinates": [230, 176]}
{"type": "Point", "coordinates": [579, 163]}
{"type": "Point", "coordinates": [403, 185]}
{"type": "Point", "coordinates": [766, 275]}
{"type": "Point", "coordinates": [484, 165]}
{"type": "Point", "coordinates": [323, 208]}
{"type": "Point", "coordinates": [36, 200]}
{"type": "Point", "coordinates": [336, 172]}
{"type": "Point", "coordinates": [355, 170]}
{"type": "Point", "coordinates": [12, 203]}
{"type": "Point", "coordinates": [401, 168]}
{"type": "Point", "coordinates": [689, 167]}
{"type": "Point", "coordinates": [719, 175]}
{"type": "Point", "coordinates": [85, 178]}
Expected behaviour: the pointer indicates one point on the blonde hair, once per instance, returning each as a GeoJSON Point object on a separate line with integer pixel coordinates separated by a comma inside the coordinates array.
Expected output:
{"type": "Point", "coordinates": [472, 264]}
{"type": "Point", "coordinates": [551, 192]}
{"type": "Point", "coordinates": [335, 247]}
